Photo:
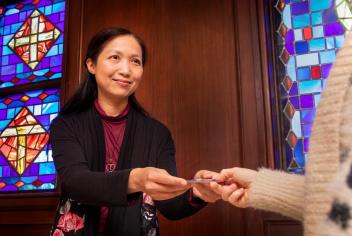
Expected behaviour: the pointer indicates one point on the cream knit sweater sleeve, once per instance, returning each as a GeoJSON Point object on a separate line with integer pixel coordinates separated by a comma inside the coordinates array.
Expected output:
{"type": "Point", "coordinates": [279, 192]}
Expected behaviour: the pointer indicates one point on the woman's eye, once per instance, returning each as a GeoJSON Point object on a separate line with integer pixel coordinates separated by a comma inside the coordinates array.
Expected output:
{"type": "Point", "coordinates": [137, 62]}
{"type": "Point", "coordinates": [115, 57]}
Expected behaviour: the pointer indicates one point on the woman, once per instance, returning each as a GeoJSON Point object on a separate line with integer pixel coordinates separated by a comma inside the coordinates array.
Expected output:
{"type": "Point", "coordinates": [322, 198]}
{"type": "Point", "coordinates": [114, 160]}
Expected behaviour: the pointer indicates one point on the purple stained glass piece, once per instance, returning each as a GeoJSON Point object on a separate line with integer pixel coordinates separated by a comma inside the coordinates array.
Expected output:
{"type": "Point", "coordinates": [34, 169]}
{"type": "Point", "coordinates": [2, 160]}
{"type": "Point", "coordinates": [307, 101]}
{"type": "Point", "coordinates": [61, 26]}
{"type": "Point", "coordinates": [26, 69]}
{"type": "Point", "coordinates": [11, 19]}
{"type": "Point", "coordinates": [22, 81]}
{"type": "Point", "coordinates": [300, 8]}
{"type": "Point", "coordinates": [334, 29]}
{"type": "Point", "coordinates": [308, 116]}
{"type": "Point", "coordinates": [56, 69]}
{"type": "Point", "coordinates": [8, 70]}
{"type": "Point", "coordinates": [44, 119]}
{"type": "Point", "coordinates": [39, 66]}
{"type": "Point", "coordinates": [13, 172]}
{"type": "Point", "coordinates": [62, 16]}
{"type": "Point", "coordinates": [16, 96]}
{"type": "Point", "coordinates": [294, 102]}
{"type": "Point", "coordinates": [45, 3]}
{"type": "Point", "coordinates": [52, 91]}
{"type": "Point", "coordinates": [55, 61]}
{"type": "Point", "coordinates": [289, 36]}
{"type": "Point", "coordinates": [290, 49]}
{"type": "Point", "coordinates": [45, 63]}
{"type": "Point", "coordinates": [26, 173]}
{"type": "Point", "coordinates": [13, 59]}
{"type": "Point", "coordinates": [47, 178]}
{"type": "Point", "coordinates": [306, 145]}
{"type": "Point", "coordinates": [55, 18]}
{"type": "Point", "coordinates": [6, 171]}
{"type": "Point", "coordinates": [9, 188]}
{"type": "Point", "coordinates": [6, 78]}
{"type": "Point", "coordinates": [307, 130]}
{"type": "Point", "coordinates": [33, 101]}
{"type": "Point", "coordinates": [325, 69]}
{"type": "Point", "coordinates": [3, 115]}
{"type": "Point", "coordinates": [294, 89]}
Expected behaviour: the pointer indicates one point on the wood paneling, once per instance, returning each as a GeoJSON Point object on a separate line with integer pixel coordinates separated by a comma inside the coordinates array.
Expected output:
{"type": "Point", "coordinates": [190, 84]}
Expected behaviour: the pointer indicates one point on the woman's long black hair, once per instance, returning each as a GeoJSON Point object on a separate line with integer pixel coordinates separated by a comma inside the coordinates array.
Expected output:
{"type": "Point", "coordinates": [87, 91]}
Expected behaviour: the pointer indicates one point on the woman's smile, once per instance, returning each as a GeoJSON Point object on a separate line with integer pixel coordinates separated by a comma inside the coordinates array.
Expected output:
{"type": "Point", "coordinates": [122, 83]}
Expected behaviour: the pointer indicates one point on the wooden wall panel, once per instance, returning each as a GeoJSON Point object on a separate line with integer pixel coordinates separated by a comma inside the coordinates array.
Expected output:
{"type": "Point", "coordinates": [190, 84]}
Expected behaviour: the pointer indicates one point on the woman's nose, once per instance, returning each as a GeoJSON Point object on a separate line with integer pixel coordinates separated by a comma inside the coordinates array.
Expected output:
{"type": "Point", "coordinates": [125, 68]}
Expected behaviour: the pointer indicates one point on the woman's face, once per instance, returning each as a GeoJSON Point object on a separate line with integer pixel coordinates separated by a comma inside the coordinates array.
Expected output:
{"type": "Point", "coordinates": [118, 69]}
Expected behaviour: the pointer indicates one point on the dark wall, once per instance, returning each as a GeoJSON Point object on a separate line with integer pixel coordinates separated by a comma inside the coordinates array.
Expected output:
{"type": "Point", "coordinates": [205, 79]}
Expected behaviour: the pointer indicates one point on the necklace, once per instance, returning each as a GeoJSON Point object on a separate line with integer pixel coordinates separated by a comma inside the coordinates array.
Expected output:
{"type": "Point", "coordinates": [113, 151]}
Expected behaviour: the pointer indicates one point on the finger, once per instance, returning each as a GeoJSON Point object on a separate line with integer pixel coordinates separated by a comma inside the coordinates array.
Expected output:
{"type": "Point", "coordinates": [167, 179]}
{"type": "Point", "coordinates": [227, 191]}
{"type": "Point", "coordinates": [235, 197]}
{"type": "Point", "coordinates": [206, 192]}
{"type": "Point", "coordinates": [164, 188]}
{"type": "Point", "coordinates": [217, 188]}
{"type": "Point", "coordinates": [229, 173]}
{"type": "Point", "coordinates": [206, 197]}
{"type": "Point", "coordinates": [208, 174]}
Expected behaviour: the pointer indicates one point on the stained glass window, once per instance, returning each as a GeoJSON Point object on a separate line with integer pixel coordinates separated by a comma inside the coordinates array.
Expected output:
{"type": "Point", "coordinates": [26, 162]}
{"type": "Point", "coordinates": [31, 41]}
{"type": "Point", "coordinates": [310, 33]}
{"type": "Point", "coordinates": [31, 53]}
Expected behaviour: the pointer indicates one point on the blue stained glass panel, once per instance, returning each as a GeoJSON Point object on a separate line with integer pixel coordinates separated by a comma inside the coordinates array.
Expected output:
{"type": "Point", "coordinates": [39, 170]}
{"type": "Point", "coordinates": [17, 65]}
{"type": "Point", "coordinates": [315, 32]}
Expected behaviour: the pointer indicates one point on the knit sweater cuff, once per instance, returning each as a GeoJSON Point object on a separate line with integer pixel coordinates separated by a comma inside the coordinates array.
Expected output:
{"type": "Point", "coordinates": [279, 192]}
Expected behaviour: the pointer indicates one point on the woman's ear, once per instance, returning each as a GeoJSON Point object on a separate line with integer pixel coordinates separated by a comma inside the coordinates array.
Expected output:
{"type": "Point", "coordinates": [90, 66]}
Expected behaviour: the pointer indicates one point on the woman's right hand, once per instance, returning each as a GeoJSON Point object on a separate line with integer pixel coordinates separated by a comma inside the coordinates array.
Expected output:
{"type": "Point", "coordinates": [238, 185]}
{"type": "Point", "coordinates": [157, 183]}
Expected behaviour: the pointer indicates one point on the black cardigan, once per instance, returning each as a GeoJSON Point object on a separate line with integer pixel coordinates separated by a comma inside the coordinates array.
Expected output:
{"type": "Point", "coordinates": [79, 154]}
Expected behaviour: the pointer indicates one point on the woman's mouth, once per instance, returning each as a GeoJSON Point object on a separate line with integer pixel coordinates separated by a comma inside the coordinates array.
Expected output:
{"type": "Point", "coordinates": [123, 83]}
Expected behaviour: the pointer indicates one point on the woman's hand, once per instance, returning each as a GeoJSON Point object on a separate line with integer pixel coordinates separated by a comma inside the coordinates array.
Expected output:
{"type": "Point", "coordinates": [204, 190]}
{"type": "Point", "coordinates": [238, 185]}
{"type": "Point", "coordinates": [157, 183]}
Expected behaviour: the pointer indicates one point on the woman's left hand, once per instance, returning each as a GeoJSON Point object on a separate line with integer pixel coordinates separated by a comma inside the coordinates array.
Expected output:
{"type": "Point", "coordinates": [204, 190]}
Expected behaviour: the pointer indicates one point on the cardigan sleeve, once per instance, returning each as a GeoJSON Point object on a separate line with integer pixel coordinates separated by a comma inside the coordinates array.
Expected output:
{"type": "Point", "coordinates": [182, 205]}
{"type": "Point", "coordinates": [78, 181]}
{"type": "Point", "coordinates": [279, 192]}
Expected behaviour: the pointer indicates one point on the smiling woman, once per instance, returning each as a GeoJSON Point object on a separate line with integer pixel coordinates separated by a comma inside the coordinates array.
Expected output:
{"type": "Point", "coordinates": [117, 164]}
{"type": "Point", "coordinates": [118, 71]}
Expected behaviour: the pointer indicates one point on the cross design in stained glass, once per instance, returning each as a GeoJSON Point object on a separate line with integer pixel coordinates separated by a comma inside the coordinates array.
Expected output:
{"type": "Point", "coordinates": [34, 39]}
{"type": "Point", "coordinates": [22, 140]}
